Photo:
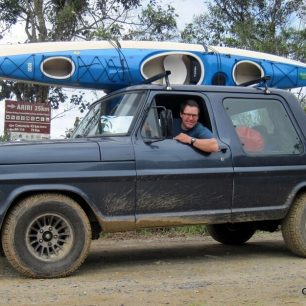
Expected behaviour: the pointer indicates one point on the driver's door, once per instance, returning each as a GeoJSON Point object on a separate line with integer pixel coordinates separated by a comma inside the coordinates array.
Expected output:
{"type": "Point", "coordinates": [177, 183]}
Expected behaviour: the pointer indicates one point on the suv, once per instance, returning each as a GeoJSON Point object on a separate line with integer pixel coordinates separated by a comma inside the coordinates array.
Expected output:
{"type": "Point", "coordinates": [122, 170]}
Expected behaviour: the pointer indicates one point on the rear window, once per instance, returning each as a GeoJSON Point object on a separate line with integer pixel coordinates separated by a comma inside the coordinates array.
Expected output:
{"type": "Point", "coordinates": [263, 126]}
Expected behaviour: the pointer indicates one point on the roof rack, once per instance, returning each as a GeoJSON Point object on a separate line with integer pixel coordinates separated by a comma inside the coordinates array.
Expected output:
{"type": "Point", "coordinates": [261, 81]}
{"type": "Point", "coordinates": [164, 74]}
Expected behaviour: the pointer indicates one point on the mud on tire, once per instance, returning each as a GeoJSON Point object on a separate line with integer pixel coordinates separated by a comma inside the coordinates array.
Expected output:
{"type": "Point", "coordinates": [46, 236]}
{"type": "Point", "coordinates": [294, 227]}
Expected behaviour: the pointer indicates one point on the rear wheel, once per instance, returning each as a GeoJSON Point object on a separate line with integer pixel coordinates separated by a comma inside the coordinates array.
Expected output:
{"type": "Point", "coordinates": [294, 227]}
{"type": "Point", "coordinates": [46, 236]}
{"type": "Point", "coordinates": [230, 233]}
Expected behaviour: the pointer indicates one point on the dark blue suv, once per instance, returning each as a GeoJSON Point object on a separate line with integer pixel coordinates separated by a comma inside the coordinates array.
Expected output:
{"type": "Point", "coordinates": [122, 170]}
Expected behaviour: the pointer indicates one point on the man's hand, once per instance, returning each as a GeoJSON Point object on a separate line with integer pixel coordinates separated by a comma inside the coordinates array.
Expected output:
{"type": "Point", "coordinates": [205, 145]}
{"type": "Point", "coordinates": [184, 138]}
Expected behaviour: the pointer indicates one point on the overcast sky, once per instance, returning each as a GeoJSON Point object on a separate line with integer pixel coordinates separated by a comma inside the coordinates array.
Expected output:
{"type": "Point", "coordinates": [184, 8]}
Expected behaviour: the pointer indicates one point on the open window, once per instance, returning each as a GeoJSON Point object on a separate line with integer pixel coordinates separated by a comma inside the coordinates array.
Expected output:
{"type": "Point", "coordinates": [152, 128]}
{"type": "Point", "coordinates": [169, 105]}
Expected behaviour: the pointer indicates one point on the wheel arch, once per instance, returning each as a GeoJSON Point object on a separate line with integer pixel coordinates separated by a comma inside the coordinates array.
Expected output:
{"type": "Point", "coordinates": [69, 191]}
{"type": "Point", "coordinates": [293, 225]}
{"type": "Point", "coordinates": [296, 192]}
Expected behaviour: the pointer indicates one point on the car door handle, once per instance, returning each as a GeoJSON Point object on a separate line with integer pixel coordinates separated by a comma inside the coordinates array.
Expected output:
{"type": "Point", "coordinates": [223, 148]}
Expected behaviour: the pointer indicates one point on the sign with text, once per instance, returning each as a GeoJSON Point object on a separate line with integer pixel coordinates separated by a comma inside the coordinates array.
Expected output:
{"type": "Point", "coordinates": [25, 120]}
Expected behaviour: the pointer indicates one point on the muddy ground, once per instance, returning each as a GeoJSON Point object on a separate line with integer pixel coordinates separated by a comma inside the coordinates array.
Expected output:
{"type": "Point", "coordinates": [163, 270]}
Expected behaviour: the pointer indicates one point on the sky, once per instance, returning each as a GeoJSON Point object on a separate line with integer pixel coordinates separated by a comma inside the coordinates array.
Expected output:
{"type": "Point", "coordinates": [63, 121]}
{"type": "Point", "coordinates": [186, 9]}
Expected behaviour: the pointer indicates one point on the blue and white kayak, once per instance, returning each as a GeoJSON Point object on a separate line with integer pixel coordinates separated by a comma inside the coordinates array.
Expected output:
{"type": "Point", "coordinates": [110, 66]}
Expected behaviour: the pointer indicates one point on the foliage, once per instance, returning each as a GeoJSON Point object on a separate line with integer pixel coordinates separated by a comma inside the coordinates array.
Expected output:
{"type": "Point", "coordinates": [5, 137]}
{"type": "Point", "coordinates": [301, 96]}
{"type": "Point", "coordinates": [276, 27]}
{"type": "Point", "coordinates": [65, 20]}
{"type": "Point", "coordinates": [155, 23]}
{"type": "Point", "coordinates": [195, 32]}
{"type": "Point", "coordinates": [70, 131]}
{"type": "Point", "coordinates": [58, 20]}
{"type": "Point", "coordinates": [262, 25]}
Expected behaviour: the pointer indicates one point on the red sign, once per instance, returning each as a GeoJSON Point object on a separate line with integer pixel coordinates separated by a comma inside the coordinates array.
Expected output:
{"type": "Point", "coordinates": [27, 117]}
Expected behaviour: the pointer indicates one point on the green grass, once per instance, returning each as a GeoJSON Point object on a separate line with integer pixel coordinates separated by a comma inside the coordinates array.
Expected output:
{"type": "Point", "coordinates": [192, 230]}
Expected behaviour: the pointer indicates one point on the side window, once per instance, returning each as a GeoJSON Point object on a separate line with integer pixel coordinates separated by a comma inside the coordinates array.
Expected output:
{"type": "Point", "coordinates": [152, 129]}
{"type": "Point", "coordinates": [263, 126]}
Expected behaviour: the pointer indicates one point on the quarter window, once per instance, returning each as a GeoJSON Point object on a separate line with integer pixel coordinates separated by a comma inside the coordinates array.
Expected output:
{"type": "Point", "coordinates": [263, 126]}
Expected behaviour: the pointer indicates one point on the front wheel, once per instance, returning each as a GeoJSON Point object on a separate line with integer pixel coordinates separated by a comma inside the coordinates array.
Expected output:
{"type": "Point", "coordinates": [46, 236]}
{"type": "Point", "coordinates": [230, 233]}
{"type": "Point", "coordinates": [1, 251]}
{"type": "Point", "coordinates": [294, 227]}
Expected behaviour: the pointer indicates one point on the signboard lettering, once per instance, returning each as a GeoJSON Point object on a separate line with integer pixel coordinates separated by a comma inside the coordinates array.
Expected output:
{"type": "Point", "coordinates": [25, 119]}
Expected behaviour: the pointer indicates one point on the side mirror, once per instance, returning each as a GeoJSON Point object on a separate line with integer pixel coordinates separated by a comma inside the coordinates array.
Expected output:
{"type": "Point", "coordinates": [166, 122]}
{"type": "Point", "coordinates": [161, 125]}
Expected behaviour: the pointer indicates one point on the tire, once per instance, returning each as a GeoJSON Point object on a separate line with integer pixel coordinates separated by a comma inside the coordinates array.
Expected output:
{"type": "Point", "coordinates": [294, 227]}
{"type": "Point", "coordinates": [46, 236]}
{"type": "Point", "coordinates": [1, 251]}
{"type": "Point", "coordinates": [231, 234]}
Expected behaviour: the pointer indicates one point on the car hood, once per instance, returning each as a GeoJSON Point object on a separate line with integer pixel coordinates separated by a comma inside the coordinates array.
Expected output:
{"type": "Point", "coordinates": [56, 151]}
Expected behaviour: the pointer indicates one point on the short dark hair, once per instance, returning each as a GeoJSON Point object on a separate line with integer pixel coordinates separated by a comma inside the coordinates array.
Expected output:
{"type": "Point", "coordinates": [189, 102]}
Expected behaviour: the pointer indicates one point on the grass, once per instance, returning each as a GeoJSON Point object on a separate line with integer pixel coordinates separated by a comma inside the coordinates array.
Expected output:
{"type": "Point", "coordinates": [192, 230]}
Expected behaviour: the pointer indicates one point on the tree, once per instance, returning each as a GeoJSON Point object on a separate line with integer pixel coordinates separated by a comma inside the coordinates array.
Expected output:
{"type": "Point", "coordinates": [274, 26]}
{"type": "Point", "coordinates": [58, 20]}
{"type": "Point", "coordinates": [5, 137]}
{"type": "Point", "coordinates": [155, 23]}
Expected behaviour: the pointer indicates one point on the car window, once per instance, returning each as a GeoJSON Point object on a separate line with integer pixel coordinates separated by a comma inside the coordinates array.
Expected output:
{"type": "Point", "coordinates": [171, 104]}
{"type": "Point", "coordinates": [151, 128]}
{"type": "Point", "coordinates": [263, 126]}
{"type": "Point", "coordinates": [110, 117]}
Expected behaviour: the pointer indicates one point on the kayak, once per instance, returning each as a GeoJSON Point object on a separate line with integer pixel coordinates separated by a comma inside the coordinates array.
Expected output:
{"type": "Point", "coordinates": [109, 65]}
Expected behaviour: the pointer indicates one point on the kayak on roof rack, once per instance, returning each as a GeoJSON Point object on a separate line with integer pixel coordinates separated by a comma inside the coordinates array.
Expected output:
{"type": "Point", "coordinates": [109, 65]}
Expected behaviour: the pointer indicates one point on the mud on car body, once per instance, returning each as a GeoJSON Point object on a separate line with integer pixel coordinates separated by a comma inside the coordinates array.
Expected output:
{"type": "Point", "coordinates": [122, 170]}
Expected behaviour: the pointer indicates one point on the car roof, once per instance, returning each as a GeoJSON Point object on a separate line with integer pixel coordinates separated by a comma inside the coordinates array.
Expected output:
{"type": "Point", "coordinates": [200, 88]}
{"type": "Point", "coordinates": [196, 89]}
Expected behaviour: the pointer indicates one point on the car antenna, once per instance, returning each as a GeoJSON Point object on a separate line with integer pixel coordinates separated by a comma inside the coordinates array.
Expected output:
{"type": "Point", "coordinates": [156, 77]}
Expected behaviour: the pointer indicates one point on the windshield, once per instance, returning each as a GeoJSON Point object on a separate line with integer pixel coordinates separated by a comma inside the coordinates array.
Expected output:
{"type": "Point", "coordinates": [110, 117]}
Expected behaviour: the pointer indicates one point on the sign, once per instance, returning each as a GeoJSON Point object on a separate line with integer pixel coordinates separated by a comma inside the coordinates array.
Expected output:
{"type": "Point", "coordinates": [25, 120]}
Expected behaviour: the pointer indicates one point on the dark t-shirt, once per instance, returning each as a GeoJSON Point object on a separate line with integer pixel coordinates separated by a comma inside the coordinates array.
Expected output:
{"type": "Point", "coordinates": [198, 131]}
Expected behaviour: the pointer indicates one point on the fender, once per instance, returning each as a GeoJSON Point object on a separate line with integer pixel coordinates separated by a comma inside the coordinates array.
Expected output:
{"type": "Point", "coordinates": [22, 191]}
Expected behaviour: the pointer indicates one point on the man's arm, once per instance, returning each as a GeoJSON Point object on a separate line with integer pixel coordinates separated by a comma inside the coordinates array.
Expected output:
{"type": "Point", "coordinates": [206, 145]}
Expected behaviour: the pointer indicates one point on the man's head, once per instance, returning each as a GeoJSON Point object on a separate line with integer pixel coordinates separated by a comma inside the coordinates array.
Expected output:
{"type": "Point", "coordinates": [189, 112]}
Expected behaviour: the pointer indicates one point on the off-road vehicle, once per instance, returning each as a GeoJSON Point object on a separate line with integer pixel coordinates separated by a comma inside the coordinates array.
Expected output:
{"type": "Point", "coordinates": [122, 170]}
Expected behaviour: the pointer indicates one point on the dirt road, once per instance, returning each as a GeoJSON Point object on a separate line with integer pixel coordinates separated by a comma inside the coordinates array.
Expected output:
{"type": "Point", "coordinates": [191, 271]}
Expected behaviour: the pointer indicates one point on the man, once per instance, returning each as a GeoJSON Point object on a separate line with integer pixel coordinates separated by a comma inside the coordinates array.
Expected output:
{"type": "Point", "coordinates": [194, 133]}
